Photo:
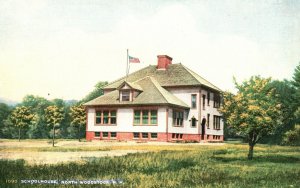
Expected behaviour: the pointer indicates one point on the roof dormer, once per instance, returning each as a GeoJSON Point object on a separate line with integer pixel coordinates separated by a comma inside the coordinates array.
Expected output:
{"type": "Point", "coordinates": [128, 91]}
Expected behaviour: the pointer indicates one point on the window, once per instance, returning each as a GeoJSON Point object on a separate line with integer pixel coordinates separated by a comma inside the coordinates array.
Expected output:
{"type": "Point", "coordinates": [98, 117]}
{"type": "Point", "coordinates": [208, 116]}
{"type": "Point", "coordinates": [194, 100]}
{"type": "Point", "coordinates": [144, 135]}
{"type": "Point", "coordinates": [153, 117]}
{"type": "Point", "coordinates": [136, 135]}
{"type": "Point", "coordinates": [125, 95]}
{"type": "Point", "coordinates": [208, 98]}
{"type": "Point", "coordinates": [137, 117]}
{"type": "Point", "coordinates": [194, 122]}
{"type": "Point", "coordinates": [216, 137]}
{"type": "Point", "coordinates": [97, 134]}
{"type": "Point", "coordinates": [105, 134]}
{"type": "Point", "coordinates": [177, 136]}
{"type": "Point", "coordinates": [180, 136]}
{"type": "Point", "coordinates": [154, 135]}
{"type": "Point", "coordinates": [203, 101]}
{"type": "Point", "coordinates": [106, 117]}
{"type": "Point", "coordinates": [217, 122]}
{"type": "Point", "coordinates": [217, 100]}
{"type": "Point", "coordinates": [113, 117]}
{"type": "Point", "coordinates": [145, 117]}
{"type": "Point", "coordinates": [113, 134]}
{"type": "Point", "coordinates": [173, 135]}
{"type": "Point", "coordinates": [177, 118]}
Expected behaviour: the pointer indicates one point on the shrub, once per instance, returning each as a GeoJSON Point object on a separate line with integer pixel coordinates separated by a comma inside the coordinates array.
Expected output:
{"type": "Point", "coordinates": [292, 137]}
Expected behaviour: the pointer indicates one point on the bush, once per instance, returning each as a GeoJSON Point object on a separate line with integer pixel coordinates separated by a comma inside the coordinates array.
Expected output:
{"type": "Point", "coordinates": [292, 137]}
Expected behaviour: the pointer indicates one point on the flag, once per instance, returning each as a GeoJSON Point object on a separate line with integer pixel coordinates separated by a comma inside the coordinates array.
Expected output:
{"type": "Point", "coordinates": [133, 59]}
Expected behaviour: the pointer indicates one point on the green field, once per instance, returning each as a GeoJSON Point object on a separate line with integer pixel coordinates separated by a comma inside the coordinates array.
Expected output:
{"type": "Point", "coordinates": [169, 166]}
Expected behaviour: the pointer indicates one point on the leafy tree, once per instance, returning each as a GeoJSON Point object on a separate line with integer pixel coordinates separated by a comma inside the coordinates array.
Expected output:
{"type": "Point", "coordinates": [284, 93]}
{"type": "Point", "coordinates": [53, 116]}
{"type": "Point", "coordinates": [38, 106]}
{"type": "Point", "coordinates": [78, 116]}
{"type": "Point", "coordinates": [4, 113]}
{"type": "Point", "coordinates": [296, 84]}
{"type": "Point", "coordinates": [21, 117]}
{"type": "Point", "coordinates": [292, 137]}
{"type": "Point", "coordinates": [98, 91]}
{"type": "Point", "coordinates": [253, 112]}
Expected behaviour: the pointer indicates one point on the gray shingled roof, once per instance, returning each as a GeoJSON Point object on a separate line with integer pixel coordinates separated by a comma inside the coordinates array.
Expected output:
{"type": "Point", "coordinates": [174, 75]}
{"type": "Point", "coordinates": [152, 94]}
{"type": "Point", "coordinates": [132, 85]}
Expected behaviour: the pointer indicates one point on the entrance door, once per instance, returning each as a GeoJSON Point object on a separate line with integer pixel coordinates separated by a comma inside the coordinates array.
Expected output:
{"type": "Point", "coordinates": [203, 128]}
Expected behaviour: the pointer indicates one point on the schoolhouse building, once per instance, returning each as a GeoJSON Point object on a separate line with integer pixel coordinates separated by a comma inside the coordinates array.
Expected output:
{"type": "Point", "coordinates": [163, 102]}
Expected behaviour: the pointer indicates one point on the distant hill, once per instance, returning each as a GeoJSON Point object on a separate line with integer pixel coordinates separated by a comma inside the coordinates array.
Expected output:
{"type": "Point", "coordinates": [13, 103]}
{"type": "Point", "coordinates": [8, 101]}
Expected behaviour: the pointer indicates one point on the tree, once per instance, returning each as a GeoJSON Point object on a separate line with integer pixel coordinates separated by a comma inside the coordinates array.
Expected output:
{"type": "Point", "coordinates": [78, 116]}
{"type": "Point", "coordinates": [21, 117]}
{"type": "Point", "coordinates": [4, 114]}
{"type": "Point", "coordinates": [296, 84]}
{"type": "Point", "coordinates": [37, 105]}
{"type": "Point", "coordinates": [253, 112]}
{"type": "Point", "coordinates": [53, 116]}
{"type": "Point", "coordinates": [292, 137]}
{"type": "Point", "coordinates": [284, 93]}
{"type": "Point", "coordinates": [98, 91]}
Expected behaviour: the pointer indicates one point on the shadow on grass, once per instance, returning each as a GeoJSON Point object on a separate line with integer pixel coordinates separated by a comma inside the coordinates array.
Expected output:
{"type": "Point", "coordinates": [260, 159]}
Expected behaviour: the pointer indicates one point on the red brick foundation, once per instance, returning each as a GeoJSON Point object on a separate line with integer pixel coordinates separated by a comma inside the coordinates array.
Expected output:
{"type": "Point", "coordinates": [161, 137]}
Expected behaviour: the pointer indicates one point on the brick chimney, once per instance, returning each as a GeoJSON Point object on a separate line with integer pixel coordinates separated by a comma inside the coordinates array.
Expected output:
{"type": "Point", "coordinates": [163, 61]}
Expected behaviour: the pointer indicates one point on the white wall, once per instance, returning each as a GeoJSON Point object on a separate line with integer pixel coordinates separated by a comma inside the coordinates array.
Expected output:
{"type": "Point", "coordinates": [185, 96]}
{"type": "Point", "coordinates": [209, 109]}
{"type": "Point", "coordinates": [125, 122]}
{"type": "Point", "coordinates": [125, 117]}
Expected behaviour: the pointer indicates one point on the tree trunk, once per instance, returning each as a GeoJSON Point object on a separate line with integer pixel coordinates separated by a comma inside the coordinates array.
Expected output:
{"type": "Point", "coordinates": [79, 133]}
{"type": "Point", "coordinates": [250, 154]}
{"type": "Point", "coordinates": [53, 136]}
{"type": "Point", "coordinates": [19, 134]}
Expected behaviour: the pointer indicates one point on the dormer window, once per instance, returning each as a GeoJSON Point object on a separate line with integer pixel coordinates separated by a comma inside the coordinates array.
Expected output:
{"type": "Point", "coordinates": [128, 91]}
{"type": "Point", "coordinates": [125, 95]}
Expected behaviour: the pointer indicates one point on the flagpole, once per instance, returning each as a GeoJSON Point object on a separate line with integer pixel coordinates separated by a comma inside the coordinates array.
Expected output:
{"type": "Point", "coordinates": [127, 68]}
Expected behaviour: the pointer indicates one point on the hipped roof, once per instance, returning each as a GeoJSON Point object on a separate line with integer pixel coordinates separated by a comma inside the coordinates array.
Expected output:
{"type": "Point", "coordinates": [152, 94]}
{"type": "Point", "coordinates": [174, 75]}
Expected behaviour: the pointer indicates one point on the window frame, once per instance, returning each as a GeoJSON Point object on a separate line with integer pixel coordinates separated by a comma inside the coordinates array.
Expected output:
{"type": "Point", "coordinates": [203, 101]}
{"type": "Point", "coordinates": [97, 133]}
{"type": "Point", "coordinates": [177, 136]}
{"type": "Point", "coordinates": [177, 121]}
{"type": "Point", "coordinates": [122, 95]}
{"type": "Point", "coordinates": [145, 133]}
{"type": "Point", "coordinates": [109, 117]}
{"type": "Point", "coordinates": [193, 101]}
{"type": "Point", "coordinates": [195, 120]}
{"type": "Point", "coordinates": [217, 123]}
{"type": "Point", "coordinates": [153, 138]}
{"type": "Point", "coordinates": [207, 120]}
{"type": "Point", "coordinates": [208, 98]}
{"type": "Point", "coordinates": [150, 116]}
{"type": "Point", "coordinates": [217, 100]}
{"type": "Point", "coordinates": [105, 136]}
{"type": "Point", "coordinates": [138, 135]}
{"type": "Point", "coordinates": [113, 137]}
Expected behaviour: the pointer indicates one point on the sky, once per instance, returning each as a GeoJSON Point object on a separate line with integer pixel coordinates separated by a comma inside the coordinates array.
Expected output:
{"type": "Point", "coordinates": [65, 47]}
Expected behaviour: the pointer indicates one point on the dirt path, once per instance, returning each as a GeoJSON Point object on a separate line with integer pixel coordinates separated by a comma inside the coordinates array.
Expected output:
{"type": "Point", "coordinates": [40, 151]}
{"type": "Point", "coordinates": [61, 157]}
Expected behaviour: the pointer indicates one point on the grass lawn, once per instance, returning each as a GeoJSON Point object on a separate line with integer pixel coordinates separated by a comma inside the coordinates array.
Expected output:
{"type": "Point", "coordinates": [178, 165]}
